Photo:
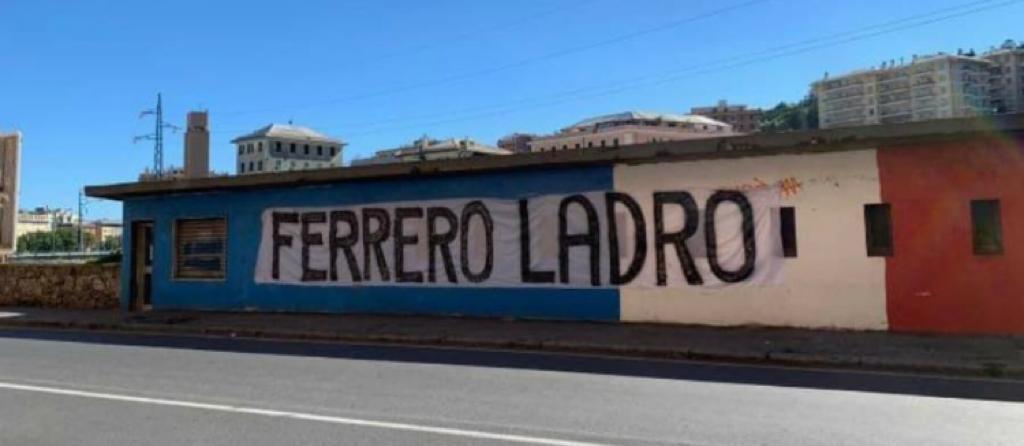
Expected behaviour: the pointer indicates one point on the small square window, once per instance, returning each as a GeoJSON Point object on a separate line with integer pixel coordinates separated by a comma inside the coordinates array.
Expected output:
{"type": "Point", "coordinates": [878, 228]}
{"type": "Point", "coordinates": [987, 227]}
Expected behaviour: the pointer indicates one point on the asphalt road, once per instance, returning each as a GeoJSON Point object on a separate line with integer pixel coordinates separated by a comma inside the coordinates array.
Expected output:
{"type": "Point", "coordinates": [78, 388]}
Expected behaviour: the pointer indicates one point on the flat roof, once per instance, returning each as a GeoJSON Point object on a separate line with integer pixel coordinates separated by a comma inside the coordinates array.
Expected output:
{"type": "Point", "coordinates": [757, 144]}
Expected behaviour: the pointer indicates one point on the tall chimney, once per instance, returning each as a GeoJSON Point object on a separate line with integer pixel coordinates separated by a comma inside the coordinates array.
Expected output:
{"type": "Point", "coordinates": [197, 145]}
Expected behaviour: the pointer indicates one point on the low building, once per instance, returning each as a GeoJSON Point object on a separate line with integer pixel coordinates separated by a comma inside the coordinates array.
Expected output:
{"type": "Point", "coordinates": [286, 147]}
{"type": "Point", "coordinates": [516, 142]}
{"type": "Point", "coordinates": [741, 118]}
{"type": "Point", "coordinates": [428, 149]}
{"type": "Point", "coordinates": [629, 128]}
{"type": "Point", "coordinates": [903, 227]}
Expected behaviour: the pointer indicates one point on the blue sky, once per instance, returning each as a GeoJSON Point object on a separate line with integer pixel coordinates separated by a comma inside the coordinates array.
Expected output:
{"type": "Point", "coordinates": [377, 74]}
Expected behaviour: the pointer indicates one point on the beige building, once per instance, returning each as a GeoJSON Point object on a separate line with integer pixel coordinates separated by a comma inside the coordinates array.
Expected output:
{"type": "Point", "coordinates": [741, 118]}
{"type": "Point", "coordinates": [10, 165]}
{"type": "Point", "coordinates": [284, 147]}
{"type": "Point", "coordinates": [1006, 81]}
{"type": "Point", "coordinates": [427, 149]}
{"type": "Point", "coordinates": [930, 87]}
{"type": "Point", "coordinates": [628, 128]}
{"type": "Point", "coordinates": [33, 221]}
{"type": "Point", "coordinates": [104, 229]}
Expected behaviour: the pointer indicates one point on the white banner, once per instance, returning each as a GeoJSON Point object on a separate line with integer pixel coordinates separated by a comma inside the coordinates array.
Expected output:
{"type": "Point", "coordinates": [686, 238]}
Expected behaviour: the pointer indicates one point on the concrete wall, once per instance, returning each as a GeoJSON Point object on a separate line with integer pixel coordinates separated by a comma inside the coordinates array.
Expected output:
{"type": "Point", "coordinates": [935, 280]}
{"type": "Point", "coordinates": [238, 291]}
{"type": "Point", "coordinates": [831, 282]}
{"type": "Point", "coordinates": [60, 285]}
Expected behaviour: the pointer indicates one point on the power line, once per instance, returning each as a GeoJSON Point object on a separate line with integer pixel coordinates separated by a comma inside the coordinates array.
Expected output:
{"type": "Point", "coordinates": [516, 64]}
{"type": "Point", "coordinates": [653, 80]}
{"type": "Point", "coordinates": [605, 89]}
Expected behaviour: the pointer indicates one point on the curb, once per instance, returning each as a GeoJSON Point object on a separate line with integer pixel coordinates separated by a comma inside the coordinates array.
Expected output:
{"type": "Point", "coordinates": [569, 347]}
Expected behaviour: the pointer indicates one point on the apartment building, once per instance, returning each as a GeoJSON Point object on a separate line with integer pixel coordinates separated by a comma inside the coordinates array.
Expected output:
{"type": "Point", "coordinates": [741, 118]}
{"type": "Point", "coordinates": [284, 147]}
{"type": "Point", "coordinates": [426, 149]}
{"type": "Point", "coordinates": [628, 128]}
{"type": "Point", "coordinates": [1006, 81]}
{"type": "Point", "coordinates": [929, 87]}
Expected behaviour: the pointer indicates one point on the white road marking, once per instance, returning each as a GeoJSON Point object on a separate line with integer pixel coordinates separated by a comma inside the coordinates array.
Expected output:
{"type": "Point", "coordinates": [298, 415]}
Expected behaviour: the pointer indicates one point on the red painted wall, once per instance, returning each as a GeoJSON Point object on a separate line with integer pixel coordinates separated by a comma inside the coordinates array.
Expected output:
{"type": "Point", "coordinates": [934, 281]}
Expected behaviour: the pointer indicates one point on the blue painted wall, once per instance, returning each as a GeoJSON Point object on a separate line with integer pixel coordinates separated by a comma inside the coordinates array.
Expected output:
{"type": "Point", "coordinates": [239, 292]}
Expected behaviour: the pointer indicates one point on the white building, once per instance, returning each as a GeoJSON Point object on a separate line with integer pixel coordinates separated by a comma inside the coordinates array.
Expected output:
{"type": "Point", "coordinates": [44, 219]}
{"type": "Point", "coordinates": [425, 149]}
{"type": "Point", "coordinates": [623, 129]}
{"type": "Point", "coordinates": [929, 87]}
{"type": "Point", "coordinates": [1006, 83]}
{"type": "Point", "coordinates": [284, 147]}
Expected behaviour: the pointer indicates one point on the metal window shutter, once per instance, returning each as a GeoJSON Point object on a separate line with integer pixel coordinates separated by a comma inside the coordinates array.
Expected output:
{"type": "Point", "coordinates": [200, 248]}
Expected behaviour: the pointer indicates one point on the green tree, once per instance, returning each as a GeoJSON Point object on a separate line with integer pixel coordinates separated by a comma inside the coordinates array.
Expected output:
{"type": "Point", "coordinates": [63, 239]}
{"type": "Point", "coordinates": [802, 115]}
{"type": "Point", "coordinates": [111, 243]}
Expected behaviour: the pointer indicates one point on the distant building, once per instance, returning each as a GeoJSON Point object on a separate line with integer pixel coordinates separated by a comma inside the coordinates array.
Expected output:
{"type": "Point", "coordinates": [10, 165]}
{"type": "Point", "coordinates": [44, 219]}
{"type": "Point", "coordinates": [285, 147]}
{"type": "Point", "coordinates": [103, 229]}
{"type": "Point", "coordinates": [426, 149]}
{"type": "Point", "coordinates": [169, 173]}
{"type": "Point", "coordinates": [930, 87]}
{"type": "Point", "coordinates": [741, 118]}
{"type": "Point", "coordinates": [1006, 80]}
{"type": "Point", "coordinates": [516, 142]}
{"type": "Point", "coordinates": [623, 129]}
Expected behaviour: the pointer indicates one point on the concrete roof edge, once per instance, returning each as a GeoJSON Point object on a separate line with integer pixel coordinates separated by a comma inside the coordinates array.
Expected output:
{"type": "Point", "coordinates": [760, 144]}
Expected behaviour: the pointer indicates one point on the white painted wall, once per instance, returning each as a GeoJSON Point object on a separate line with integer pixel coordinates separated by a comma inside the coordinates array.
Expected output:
{"type": "Point", "coordinates": [832, 282]}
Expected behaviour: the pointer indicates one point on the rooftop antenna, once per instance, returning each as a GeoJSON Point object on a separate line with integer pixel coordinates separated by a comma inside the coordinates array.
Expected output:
{"type": "Point", "coordinates": [157, 136]}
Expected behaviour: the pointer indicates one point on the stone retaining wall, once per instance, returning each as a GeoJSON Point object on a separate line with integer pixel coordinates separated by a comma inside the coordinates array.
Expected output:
{"type": "Point", "coordinates": [60, 285]}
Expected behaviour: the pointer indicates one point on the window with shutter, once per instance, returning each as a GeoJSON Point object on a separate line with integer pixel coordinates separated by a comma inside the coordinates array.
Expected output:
{"type": "Point", "coordinates": [199, 248]}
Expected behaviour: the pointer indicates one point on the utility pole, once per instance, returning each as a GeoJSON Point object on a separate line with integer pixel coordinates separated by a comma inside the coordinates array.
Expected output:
{"type": "Point", "coordinates": [157, 136]}
{"type": "Point", "coordinates": [81, 204]}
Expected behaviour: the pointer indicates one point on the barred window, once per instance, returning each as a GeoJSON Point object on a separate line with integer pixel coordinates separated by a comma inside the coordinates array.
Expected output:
{"type": "Point", "coordinates": [199, 246]}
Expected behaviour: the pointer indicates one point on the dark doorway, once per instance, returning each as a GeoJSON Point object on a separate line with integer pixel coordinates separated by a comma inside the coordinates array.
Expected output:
{"type": "Point", "coordinates": [142, 266]}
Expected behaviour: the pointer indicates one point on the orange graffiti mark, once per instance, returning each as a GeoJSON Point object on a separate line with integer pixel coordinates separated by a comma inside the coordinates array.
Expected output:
{"type": "Point", "coordinates": [756, 184]}
{"type": "Point", "coordinates": [789, 186]}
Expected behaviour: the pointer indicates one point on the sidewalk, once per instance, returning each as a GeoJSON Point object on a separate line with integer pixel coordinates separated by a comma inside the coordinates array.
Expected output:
{"type": "Point", "coordinates": [960, 355]}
